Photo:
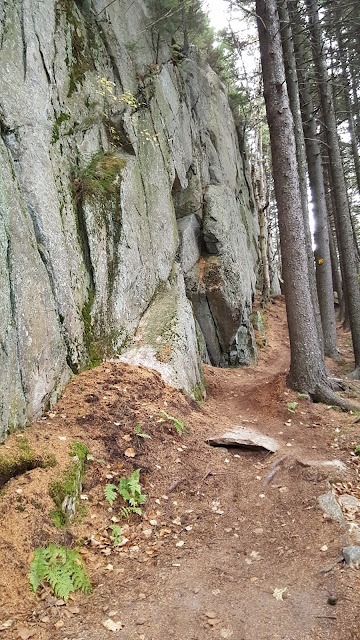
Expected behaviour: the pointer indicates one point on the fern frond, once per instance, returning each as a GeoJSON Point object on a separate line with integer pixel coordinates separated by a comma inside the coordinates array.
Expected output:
{"type": "Point", "coordinates": [80, 578]}
{"type": "Point", "coordinates": [125, 494]}
{"type": "Point", "coordinates": [126, 512]}
{"type": "Point", "coordinates": [60, 580]}
{"type": "Point", "coordinates": [178, 424]}
{"type": "Point", "coordinates": [117, 534]}
{"type": "Point", "coordinates": [38, 568]}
{"type": "Point", "coordinates": [62, 568]}
{"type": "Point", "coordinates": [110, 493]}
{"type": "Point", "coordinates": [133, 483]}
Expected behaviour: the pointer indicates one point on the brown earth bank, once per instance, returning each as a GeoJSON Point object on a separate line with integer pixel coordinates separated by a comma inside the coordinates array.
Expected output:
{"type": "Point", "coordinates": [228, 545]}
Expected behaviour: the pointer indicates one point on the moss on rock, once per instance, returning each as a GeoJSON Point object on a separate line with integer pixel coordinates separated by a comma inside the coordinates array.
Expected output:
{"type": "Point", "coordinates": [21, 459]}
{"type": "Point", "coordinates": [100, 178]}
{"type": "Point", "coordinates": [65, 492]}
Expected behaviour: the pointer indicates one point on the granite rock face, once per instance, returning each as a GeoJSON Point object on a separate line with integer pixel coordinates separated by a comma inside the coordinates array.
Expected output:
{"type": "Point", "coordinates": [122, 189]}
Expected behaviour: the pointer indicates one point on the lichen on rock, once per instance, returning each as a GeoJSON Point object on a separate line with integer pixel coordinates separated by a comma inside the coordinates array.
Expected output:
{"type": "Point", "coordinates": [108, 206]}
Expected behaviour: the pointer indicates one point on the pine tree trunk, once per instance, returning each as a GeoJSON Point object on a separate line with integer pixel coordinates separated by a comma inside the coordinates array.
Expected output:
{"type": "Point", "coordinates": [346, 244]}
{"type": "Point", "coordinates": [349, 106]}
{"type": "Point", "coordinates": [336, 273]}
{"type": "Point", "coordinates": [324, 278]}
{"type": "Point", "coordinates": [262, 205]}
{"type": "Point", "coordinates": [331, 206]}
{"type": "Point", "coordinates": [307, 369]}
{"type": "Point", "coordinates": [293, 92]}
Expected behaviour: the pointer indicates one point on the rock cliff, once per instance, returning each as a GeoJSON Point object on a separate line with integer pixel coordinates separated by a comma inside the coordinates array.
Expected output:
{"type": "Point", "coordinates": [126, 219]}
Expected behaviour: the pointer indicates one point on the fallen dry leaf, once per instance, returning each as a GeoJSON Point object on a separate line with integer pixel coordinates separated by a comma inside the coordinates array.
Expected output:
{"type": "Point", "coordinates": [213, 621]}
{"type": "Point", "coordinates": [278, 593]}
{"type": "Point", "coordinates": [130, 452]}
{"type": "Point", "coordinates": [6, 625]}
{"type": "Point", "coordinates": [59, 624]}
{"type": "Point", "coordinates": [74, 610]}
{"type": "Point", "coordinates": [24, 633]}
{"type": "Point", "coordinates": [110, 625]}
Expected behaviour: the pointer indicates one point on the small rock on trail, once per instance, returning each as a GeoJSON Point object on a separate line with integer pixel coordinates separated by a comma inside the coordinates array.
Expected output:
{"type": "Point", "coordinates": [245, 437]}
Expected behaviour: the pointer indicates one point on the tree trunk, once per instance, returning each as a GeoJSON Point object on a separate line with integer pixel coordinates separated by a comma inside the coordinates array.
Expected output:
{"type": "Point", "coordinates": [346, 244]}
{"type": "Point", "coordinates": [262, 205]}
{"type": "Point", "coordinates": [185, 28]}
{"type": "Point", "coordinates": [307, 369]}
{"type": "Point", "coordinates": [293, 92]}
{"type": "Point", "coordinates": [336, 273]}
{"type": "Point", "coordinates": [331, 206]}
{"type": "Point", "coordinates": [324, 279]}
{"type": "Point", "coordinates": [349, 106]}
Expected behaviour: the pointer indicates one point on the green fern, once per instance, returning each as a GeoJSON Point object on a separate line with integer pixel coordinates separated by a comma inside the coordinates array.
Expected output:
{"type": "Point", "coordinates": [38, 568]}
{"type": "Point", "coordinates": [62, 568]}
{"type": "Point", "coordinates": [116, 534]}
{"type": "Point", "coordinates": [178, 424]}
{"type": "Point", "coordinates": [110, 493]}
{"type": "Point", "coordinates": [140, 433]}
{"type": "Point", "coordinates": [292, 406]}
{"type": "Point", "coordinates": [130, 491]}
{"type": "Point", "coordinates": [127, 511]}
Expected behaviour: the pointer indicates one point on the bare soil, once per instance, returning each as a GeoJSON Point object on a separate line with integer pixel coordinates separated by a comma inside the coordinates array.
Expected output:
{"type": "Point", "coordinates": [218, 536]}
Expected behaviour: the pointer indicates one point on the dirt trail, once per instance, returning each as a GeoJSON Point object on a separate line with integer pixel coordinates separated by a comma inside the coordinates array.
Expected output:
{"type": "Point", "coordinates": [214, 543]}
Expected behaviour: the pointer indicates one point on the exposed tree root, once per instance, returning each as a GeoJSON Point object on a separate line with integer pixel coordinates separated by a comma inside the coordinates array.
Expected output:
{"type": "Point", "coordinates": [341, 384]}
{"type": "Point", "coordinates": [323, 393]}
{"type": "Point", "coordinates": [355, 375]}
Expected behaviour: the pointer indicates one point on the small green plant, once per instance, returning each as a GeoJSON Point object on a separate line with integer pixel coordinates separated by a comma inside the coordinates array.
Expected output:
{"type": "Point", "coordinates": [139, 433]}
{"type": "Point", "coordinates": [130, 491]}
{"type": "Point", "coordinates": [357, 450]}
{"type": "Point", "coordinates": [65, 491]}
{"type": "Point", "coordinates": [292, 406]}
{"type": "Point", "coordinates": [62, 568]}
{"type": "Point", "coordinates": [117, 535]}
{"type": "Point", "coordinates": [110, 492]}
{"type": "Point", "coordinates": [107, 89]}
{"type": "Point", "coordinates": [63, 117]}
{"type": "Point", "coordinates": [22, 458]}
{"type": "Point", "coordinates": [303, 395]}
{"type": "Point", "coordinates": [90, 458]}
{"type": "Point", "coordinates": [178, 424]}
{"type": "Point", "coordinates": [100, 178]}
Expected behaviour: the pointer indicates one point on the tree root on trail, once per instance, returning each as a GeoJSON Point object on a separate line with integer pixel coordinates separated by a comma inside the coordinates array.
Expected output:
{"type": "Point", "coordinates": [323, 393]}
{"type": "Point", "coordinates": [341, 384]}
{"type": "Point", "coordinates": [355, 375]}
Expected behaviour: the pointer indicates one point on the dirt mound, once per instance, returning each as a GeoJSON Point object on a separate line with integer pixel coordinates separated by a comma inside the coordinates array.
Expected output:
{"type": "Point", "coordinates": [224, 548]}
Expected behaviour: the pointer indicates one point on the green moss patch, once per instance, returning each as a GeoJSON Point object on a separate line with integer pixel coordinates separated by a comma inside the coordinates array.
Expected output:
{"type": "Point", "coordinates": [23, 458]}
{"type": "Point", "coordinates": [100, 178]}
{"type": "Point", "coordinates": [80, 59]}
{"type": "Point", "coordinates": [63, 117]}
{"type": "Point", "coordinates": [65, 492]}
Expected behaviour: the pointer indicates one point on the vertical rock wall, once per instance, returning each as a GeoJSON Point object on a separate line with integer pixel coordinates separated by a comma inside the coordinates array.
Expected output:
{"type": "Point", "coordinates": [123, 197]}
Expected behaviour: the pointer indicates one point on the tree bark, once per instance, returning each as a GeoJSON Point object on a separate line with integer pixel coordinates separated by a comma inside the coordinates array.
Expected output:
{"type": "Point", "coordinates": [324, 280]}
{"type": "Point", "coordinates": [348, 104]}
{"type": "Point", "coordinates": [307, 368]}
{"type": "Point", "coordinates": [346, 244]}
{"type": "Point", "coordinates": [293, 92]}
{"type": "Point", "coordinates": [262, 204]}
